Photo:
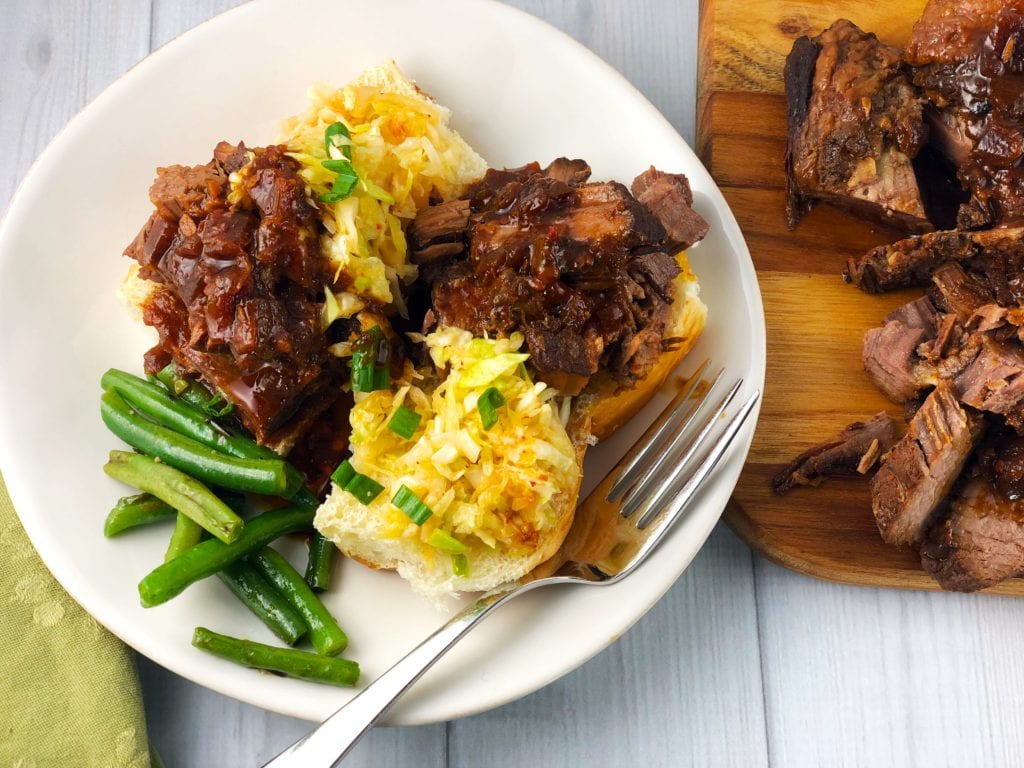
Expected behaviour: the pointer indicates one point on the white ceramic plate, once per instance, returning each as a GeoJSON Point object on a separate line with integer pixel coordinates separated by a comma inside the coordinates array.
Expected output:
{"type": "Point", "coordinates": [519, 91]}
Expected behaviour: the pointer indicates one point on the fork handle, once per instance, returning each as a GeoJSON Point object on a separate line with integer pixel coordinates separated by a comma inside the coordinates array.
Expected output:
{"type": "Point", "coordinates": [332, 740]}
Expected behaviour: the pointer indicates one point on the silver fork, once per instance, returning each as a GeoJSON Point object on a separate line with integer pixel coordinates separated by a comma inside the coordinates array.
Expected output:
{"type": "Point", "coordinates": [648, 485]}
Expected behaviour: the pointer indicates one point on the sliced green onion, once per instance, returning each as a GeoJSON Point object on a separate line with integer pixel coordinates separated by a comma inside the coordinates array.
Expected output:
{"type": "Point", "coordinates": [343, 474]}
{"type": "Point", "coordinates": [364, 488]}
{"type": "Point", "coordinates": [460, 565]}
{"type": "Point", "coordinates": [410, 503]}
{"type": "Point", "coordinates": [488, 404]}
{"type": "Point", "coordinates": [369, 362]}
{"type": "Point", "coordinates": [446, 542]}
{"type": "Point", "coordinates": [404, 422]}
{"type": "Point", "coordinates": [337, 129]}
{"type": "Point", "coordinates": [346, 179]}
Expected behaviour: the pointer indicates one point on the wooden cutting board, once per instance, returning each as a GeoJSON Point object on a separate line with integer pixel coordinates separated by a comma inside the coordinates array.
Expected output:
{"type": "Point", "coordinates": [815, 382]}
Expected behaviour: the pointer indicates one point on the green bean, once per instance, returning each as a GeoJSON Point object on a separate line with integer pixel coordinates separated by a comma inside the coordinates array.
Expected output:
{"type": "Point", "coordinates": [260, 597]}
{"type": "Point", "coordinates": [174, 487]}
{"type": "Point", "coordinates": [325, 634]}
{"type": "Point", "coordinates": [194, 393]}
{"type": "Point", "coordinates": [202, 462]}
{"type": "Point", "coordinates": [155, 403]}
{"type": "Point", "coordinates": [209, 557]}
{"type": "Point", "coordinates": [288, 661]}
{"type": "Point", "coordinates": [132, 511]}
{"type": "Point", "coordinates": [321, 561]}
{"type": "Point", "coordinates": [187, 533]}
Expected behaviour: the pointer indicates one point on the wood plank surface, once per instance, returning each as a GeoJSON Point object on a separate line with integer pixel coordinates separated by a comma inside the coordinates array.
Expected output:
{"type": "Point", "coordinates": [816, 383]}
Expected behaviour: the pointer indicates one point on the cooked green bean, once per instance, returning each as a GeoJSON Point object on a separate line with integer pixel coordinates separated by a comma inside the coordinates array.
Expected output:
{"type": "Point", "coordinates": [184, 493]}
{"type": "Point", "coordinates": [208, 557]}
{"type": "Point", "coordinates": [266, 476]}
{"type": "Point", "coordinates": [325, 634]}
{"type": "Point", "coordinates": [260, 597]}
{"type": "Point", "coordinates": [132, 511]}
{"type": "Point", "coordinates": [195, 394]}
{"type": "Point", "coordinates": [288, 661]}
{"type": "Point", "coordinates": [187, 533]}
{"type": "Point", "coordinates": [321, 561]}
{"type": "Point", "coordinates": [155, 403]}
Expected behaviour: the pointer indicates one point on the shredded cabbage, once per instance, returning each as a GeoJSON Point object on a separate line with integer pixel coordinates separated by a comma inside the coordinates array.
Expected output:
{"type": "Point", "coordinates": [404, 153]}
{"type": "Point", "coordinates": [486, 488]}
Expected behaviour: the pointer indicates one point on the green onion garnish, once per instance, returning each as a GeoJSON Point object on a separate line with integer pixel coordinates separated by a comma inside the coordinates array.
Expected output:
{"type": "Point", "coordinates": [446, 542]}
{"type": "Point", "coordinates": [488, 404]}
{"type": "Point", "coordinates": [369, 363]}
{"type": "Point", "coordinates": [460, 565]}
{"type": "Point", "coordinates": [346, 179]}
{"type": "Point", "coordinates": [337, 129]}
{"type": "Point", "coordinates": [343, 474]}
{"type": "Point", "coordinates": [404, 422]}
{"type": "Point", "coordinates": [364, 488]}
{"type": "Point", "coordinates": [410, 503]}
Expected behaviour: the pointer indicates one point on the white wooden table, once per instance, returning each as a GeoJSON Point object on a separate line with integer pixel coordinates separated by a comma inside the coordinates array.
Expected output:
{"type": "Point", "coordinates": [742, 663]}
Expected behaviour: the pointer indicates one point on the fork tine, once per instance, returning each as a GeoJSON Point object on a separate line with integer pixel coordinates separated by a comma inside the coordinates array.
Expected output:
{"type": "Point", "coordinates": [656, 433]}
{"type": "Point", "coordinates": [641, 497]}
{"type": "Point", "coordinates": [685, 491]}
{"type": "Point", "coordinates": [675, 508]}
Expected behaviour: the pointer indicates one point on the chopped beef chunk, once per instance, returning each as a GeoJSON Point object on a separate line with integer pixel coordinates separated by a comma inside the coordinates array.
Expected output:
{"type": "Point", "coordinates": [917, 474]}
{"type": "Point", "coordinates": [238, 302]}
{"type": "Point", "coordinates": [890, 352]}
{"type": "Point", "coordinates": [980, 543]}
{"type": "Point", "coordinates": [855, 125]}
{"type": "Point", "coordinates": [584, 270]}
{"type": "Point", "coordinates": [572, 172]}
{"type": "Point", "coordinates": [853, 451]}
{"type": "Point", "coordinates": [958, 292]}
{"type": "Point", "coordinates": [439, 232]}
{"type": "Point", "coordinates": [998, 253]}
{"type": "Point", "coordinates": [968, 56]}
{"type": "Point", "coordinates": [994, 382]}
{"type": "Point", "coordinates": [668, 195]}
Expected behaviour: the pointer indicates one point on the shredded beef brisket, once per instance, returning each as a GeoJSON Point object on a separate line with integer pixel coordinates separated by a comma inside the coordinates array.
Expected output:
{"type": "Point", "coordinates": [239, 284]}
{"type": "Point", "coordinates": [583, 269]}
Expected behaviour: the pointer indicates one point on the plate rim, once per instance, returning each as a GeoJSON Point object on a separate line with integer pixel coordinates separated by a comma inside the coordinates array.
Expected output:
{"type": "Point", "coordinates": [751, 290]}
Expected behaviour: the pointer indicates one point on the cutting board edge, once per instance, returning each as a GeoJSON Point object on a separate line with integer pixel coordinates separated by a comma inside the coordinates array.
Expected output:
{"type": "Point", "coordinates": [746, 529]}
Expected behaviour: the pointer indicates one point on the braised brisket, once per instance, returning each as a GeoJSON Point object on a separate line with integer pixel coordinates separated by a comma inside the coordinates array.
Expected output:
{"type": "Point", "coordinates": [853, 451]}
{"type": "Point", "coordinates": [239, 286]}
{"type": "Point", "coordinates": [918, 473]}
{"type": "Point", "coordinates": [968, 56]}
{"type": "Point", "coordinates": [584, 270]}
{"type": "Point", "coordinates": [855, 125]}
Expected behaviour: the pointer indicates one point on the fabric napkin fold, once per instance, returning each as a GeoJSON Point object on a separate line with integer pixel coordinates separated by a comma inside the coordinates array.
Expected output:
{"type": "Point", "coordinates": [69, 690]}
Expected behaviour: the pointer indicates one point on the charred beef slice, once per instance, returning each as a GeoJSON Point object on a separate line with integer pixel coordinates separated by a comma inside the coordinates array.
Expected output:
{"type": "Point", "coordinates": [996, 253]}
{"type": "Point", "coordinates": [584, 270]}
{"type": "Point", "coordinates": [853, 451]}
{"type": "Point", "coordinates": [981, 542]}
{"type": "Point", "coordinates": [918, 473]}
{"type": "Point", "coordinates": [238, 285]}
{"type": "Point", "coordinates": [968, 56]}
{"type": "Point", "coordinates": [855, 125]}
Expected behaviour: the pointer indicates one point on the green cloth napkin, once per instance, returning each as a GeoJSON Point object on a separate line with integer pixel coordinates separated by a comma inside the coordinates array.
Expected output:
{"type": "Point", "coordinates": [69, 691]}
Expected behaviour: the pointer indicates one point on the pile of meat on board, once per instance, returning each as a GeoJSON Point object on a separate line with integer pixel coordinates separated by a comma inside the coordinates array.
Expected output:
{"type": "Point", "coordinates": [867, 124]}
